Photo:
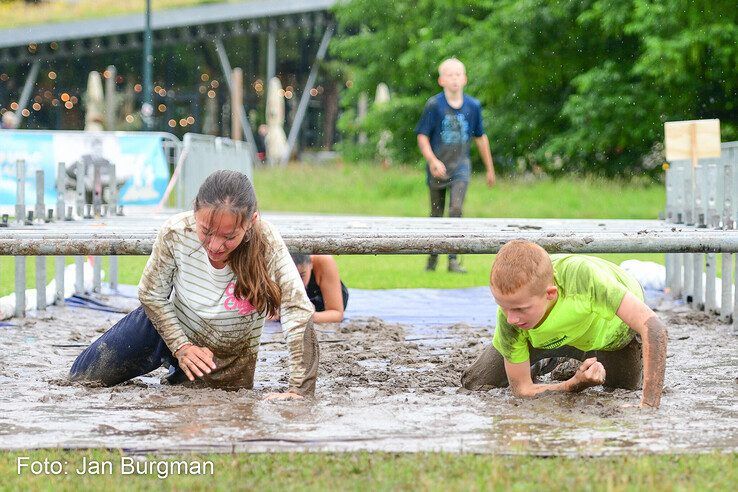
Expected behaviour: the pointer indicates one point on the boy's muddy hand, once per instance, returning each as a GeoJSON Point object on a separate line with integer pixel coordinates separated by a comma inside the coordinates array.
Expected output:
{"type": "Point", "coordinates": [438, 170]}
{"type": "Point", "coordinates": [195, 361]}
{"type": "Point", "coordinates": [590, 373]}
{"type": "Point", "coordinates": [283, 396]}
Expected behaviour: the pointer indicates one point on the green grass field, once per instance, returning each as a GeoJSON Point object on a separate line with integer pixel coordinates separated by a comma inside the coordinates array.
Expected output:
{"type": "Point", "coordinates": [367, 190]}
{"type": "Point", "coordinates": [388, 471]}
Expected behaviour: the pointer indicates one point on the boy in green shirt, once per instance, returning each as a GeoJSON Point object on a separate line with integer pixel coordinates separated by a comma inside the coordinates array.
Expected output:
{"type": "Point", "coordinates": [573, 306]}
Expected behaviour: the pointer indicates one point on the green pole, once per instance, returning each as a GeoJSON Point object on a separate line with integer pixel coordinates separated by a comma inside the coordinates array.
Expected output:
{"type": "Point", "coordinates": [147, 109]}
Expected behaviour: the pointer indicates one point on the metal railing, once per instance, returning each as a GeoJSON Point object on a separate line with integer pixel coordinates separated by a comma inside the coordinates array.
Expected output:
{"type": "Point", "coordinates": [203, 154]}
{"type": "Point", "coordinates": [704, 197]}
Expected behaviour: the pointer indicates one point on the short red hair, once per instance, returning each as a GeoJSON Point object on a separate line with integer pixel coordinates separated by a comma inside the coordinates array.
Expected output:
{"type": "Point", "coordinates": [519, 264]}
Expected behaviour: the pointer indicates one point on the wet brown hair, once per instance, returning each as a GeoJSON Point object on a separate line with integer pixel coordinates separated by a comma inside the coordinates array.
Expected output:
{"type": "Point", "coordinates": [521, 264]}
{"type": "Point", "coordinates": [232, 191]}
{"type": "Point", "coordinates": [301, 259]}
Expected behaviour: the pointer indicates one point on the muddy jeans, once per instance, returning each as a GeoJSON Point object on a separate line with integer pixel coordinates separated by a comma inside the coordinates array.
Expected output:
{"type": "Point", "coordinates": [131, 348]}
{"type": "Point", "coordinates": [623, 368]}
{"type": "Point", "coordinates": [455, 205]}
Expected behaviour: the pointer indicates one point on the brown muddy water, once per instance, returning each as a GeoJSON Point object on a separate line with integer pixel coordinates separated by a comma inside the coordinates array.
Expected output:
{"type": "Point", "coordinates": [381, 387]}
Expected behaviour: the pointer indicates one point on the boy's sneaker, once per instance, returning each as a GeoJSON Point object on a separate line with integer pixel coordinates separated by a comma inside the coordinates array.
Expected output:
{"type": "Point", "coordinates": [455, 267]}
{"type": "Point", "coordinates": [432, 263]}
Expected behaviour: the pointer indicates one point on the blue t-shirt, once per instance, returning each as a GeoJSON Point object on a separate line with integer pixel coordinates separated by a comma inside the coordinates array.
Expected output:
{"type": "Point", "coordinates": [450, 132]}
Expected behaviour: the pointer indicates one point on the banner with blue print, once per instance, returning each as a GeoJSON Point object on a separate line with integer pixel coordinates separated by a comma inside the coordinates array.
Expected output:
{"type": "Point", "coordinates": [141, 168]}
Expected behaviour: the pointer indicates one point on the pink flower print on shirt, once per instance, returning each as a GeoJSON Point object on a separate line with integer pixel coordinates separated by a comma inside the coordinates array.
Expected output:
{"type": "Point", "coordinates": [232, 302]}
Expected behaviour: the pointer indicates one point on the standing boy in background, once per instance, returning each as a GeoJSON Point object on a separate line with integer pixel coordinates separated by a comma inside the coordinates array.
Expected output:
{"type": "Point", "coordinates": [449, 122]}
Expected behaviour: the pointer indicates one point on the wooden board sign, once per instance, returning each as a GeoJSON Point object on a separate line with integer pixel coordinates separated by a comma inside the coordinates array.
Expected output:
{"type": "Point", "coordinates": [694, 139]}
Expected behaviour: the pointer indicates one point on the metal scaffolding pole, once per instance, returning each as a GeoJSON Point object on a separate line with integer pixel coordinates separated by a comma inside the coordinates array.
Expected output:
{"type": "Point", "coordinates": [305, 98]}
{"type": "Point", "coordinates": [225, 66]}
{"type": "Point", "coordinates": [27, 89]}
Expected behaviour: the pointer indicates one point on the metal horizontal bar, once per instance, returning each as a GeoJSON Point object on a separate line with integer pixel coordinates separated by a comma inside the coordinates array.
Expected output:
{"type": "Point", "coordinates": [397, 242]}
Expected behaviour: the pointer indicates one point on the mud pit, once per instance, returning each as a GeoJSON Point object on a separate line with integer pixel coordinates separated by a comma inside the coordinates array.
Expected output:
{"type": "Point", "coordinates": [381, 387]}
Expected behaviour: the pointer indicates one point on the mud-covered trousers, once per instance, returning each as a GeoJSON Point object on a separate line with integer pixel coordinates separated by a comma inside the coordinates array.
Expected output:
{"type": "Point", "coordinates": [623, 368]}
{"type": "Point", "coordinates": [131, 348]}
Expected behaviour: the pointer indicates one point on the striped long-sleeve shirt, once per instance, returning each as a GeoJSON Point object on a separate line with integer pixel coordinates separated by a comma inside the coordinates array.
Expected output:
{"type": "Point", "coordinates": [190, 301]}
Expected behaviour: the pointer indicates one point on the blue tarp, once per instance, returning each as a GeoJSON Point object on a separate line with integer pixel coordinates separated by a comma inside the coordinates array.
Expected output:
{"type": "Point", "coordinates": [420, 307]}
{"type": "Point", "coordinates": [474, 306]}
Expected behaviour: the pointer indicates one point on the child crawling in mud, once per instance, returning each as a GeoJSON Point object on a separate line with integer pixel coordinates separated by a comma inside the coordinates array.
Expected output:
{"type": "Point", "coordinates": [569, 307]}
{"type": "Point", "coordinates": [323, 285]}
{"type": "Point", "coordinates": [213, 276]}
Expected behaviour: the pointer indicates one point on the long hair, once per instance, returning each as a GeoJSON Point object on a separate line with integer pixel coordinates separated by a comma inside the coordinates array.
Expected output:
{"type": "Point", "coordinates": [232, 191]}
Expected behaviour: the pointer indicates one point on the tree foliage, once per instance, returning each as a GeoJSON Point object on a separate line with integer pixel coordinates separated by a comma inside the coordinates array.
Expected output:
{"type": "Point", "coordinates": [567, 85]}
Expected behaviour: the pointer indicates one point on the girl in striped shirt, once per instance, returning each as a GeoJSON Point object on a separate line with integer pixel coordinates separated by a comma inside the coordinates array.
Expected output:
{"type": "Point", "coordinates": [213, 276]}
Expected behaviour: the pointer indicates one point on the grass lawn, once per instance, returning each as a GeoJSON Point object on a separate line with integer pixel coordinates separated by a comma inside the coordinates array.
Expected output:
{"type": "Point", "coordinates": [389, 471]}
{"type": "Point", "coordinates": [368, 190]}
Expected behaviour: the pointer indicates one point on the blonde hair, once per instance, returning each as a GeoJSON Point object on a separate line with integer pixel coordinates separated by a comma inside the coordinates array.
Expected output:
{"type": "Point", "coordinates": [447, 62]}
{"type": "Point", "coordinates": [521, 264]}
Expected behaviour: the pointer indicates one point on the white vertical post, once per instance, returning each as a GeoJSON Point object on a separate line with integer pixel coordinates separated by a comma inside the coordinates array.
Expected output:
{"type": "Point", "coordinates": [41, 282]}
{"type": "Point", "coordinates": [698, 290]}
{"type": "Point", "coordinates": [40, 211]}
{"type": "Point", "coordinates": [710, 274]}
{"type": "Point", "coordinates": [59, 265]}
{"type": "Point", "coordinates": [688, 278]}
{"type": "Point", "coordinates": [96, 273]}
{"type": "Point", "coordinates": [80, 179]}
{"type": "Point", "coordinates": [79, 270]}
{"type": "Point", "coordinates": [735, 302]}
{"type": "Point", "coordinates": [20, 286]}
{"type": "Point", "coordinates": [61, 171]}
{"type": "Point", "coordinates": [678, 278]}
{"type": "Point", "coordinates": [20, 191]}
{"type": "Point", "coordinates": [726, 293]}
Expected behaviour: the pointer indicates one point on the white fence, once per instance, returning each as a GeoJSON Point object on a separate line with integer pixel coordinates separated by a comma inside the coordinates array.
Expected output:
{"type": "Point", "coordinates": [705, 197]}
{"type": "Point", "coordinates": [203, 154]}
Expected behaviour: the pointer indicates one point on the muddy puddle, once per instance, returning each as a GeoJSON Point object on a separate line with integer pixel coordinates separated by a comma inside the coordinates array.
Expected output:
{"type": "Point", "coordinates": [382, 386]}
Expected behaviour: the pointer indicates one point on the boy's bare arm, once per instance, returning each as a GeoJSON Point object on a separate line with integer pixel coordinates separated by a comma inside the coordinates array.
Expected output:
{"type": "Point", "coordinates": [486, 154]}
{"type": "Point", "coordinates": [437, 168]}
{"type": "Point", "coordinates": [644, 321]}
{"type": "Point", "coordinates": [590, 373]}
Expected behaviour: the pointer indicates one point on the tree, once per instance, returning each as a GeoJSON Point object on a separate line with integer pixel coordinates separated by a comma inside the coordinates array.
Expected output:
{"type": "Point", "coordinates": [568, 85]}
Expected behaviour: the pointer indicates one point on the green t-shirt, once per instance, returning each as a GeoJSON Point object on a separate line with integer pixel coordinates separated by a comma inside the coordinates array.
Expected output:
{"type": "Point", "coordinates": [590, 292]}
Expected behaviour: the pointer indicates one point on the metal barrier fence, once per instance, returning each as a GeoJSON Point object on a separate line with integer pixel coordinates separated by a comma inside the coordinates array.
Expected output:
{"type": "Point", "coordinates": [203, 154]}
{"type": "Point", "coordinates": [705, 197]}
{"type": "Point", "coordinates": [197, 156]}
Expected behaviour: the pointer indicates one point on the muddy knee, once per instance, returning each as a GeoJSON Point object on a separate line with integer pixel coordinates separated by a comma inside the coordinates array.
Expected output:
{"type": "Point", "coordinates": [486, 372]}
{"type": "Point", "coordinates": [476, 380]}
{"type": "Point", "coordinates": [624, 367]}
